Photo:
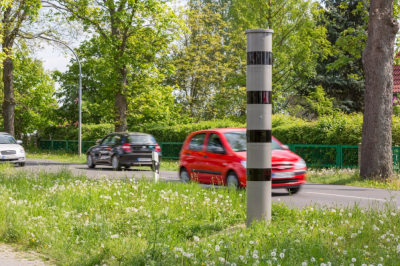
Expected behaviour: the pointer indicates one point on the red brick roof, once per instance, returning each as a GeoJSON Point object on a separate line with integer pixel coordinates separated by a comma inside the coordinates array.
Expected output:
{"type": "Point", "coordinates": [396, 77]}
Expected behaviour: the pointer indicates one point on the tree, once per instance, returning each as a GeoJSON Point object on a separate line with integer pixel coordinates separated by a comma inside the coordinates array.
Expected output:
{"type": "Point", "coordinates": [34, 88]}
{"type": "Point", "coordinates": [341, 74]}
{"type": "Point", "coordinates": [14, 14]}
{"type": "Point", "coordinates": [149, 100]}
{"type": "Point", "coordinates": [207, 65]}
{"type": "Point", "coordinates": [376, 149]}
{"type": "Point", "coordinates": [131, 33]}
{"type": "Point", "coordinates": [297, 40]}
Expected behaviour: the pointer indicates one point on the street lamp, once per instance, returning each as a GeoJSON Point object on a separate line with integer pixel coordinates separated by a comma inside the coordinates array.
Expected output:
{"type": "Point", "coordinates": [80, 99]}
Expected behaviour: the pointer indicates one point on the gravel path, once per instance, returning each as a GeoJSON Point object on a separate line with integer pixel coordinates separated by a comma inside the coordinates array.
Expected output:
{"type": "Point", "coordinates": [11, 257]}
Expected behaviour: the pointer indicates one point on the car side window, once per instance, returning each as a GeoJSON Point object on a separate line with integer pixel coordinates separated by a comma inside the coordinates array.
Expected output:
{"type": "Point", "coordinates": [196, 143]}
{"type": "Point", "coordinates": [116, 139]}
{"type": "Point", "coordinates": [106, 140]}
{"type": "Point", "coordinates": [214, 142]}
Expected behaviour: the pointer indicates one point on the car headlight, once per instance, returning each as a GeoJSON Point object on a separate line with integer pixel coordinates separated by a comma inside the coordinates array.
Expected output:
{"type": "Point", "coordinates": [21, 150]}
{"type": "Point", "coordinates": [244, 164]}
{"type": "Point", "coordinates": [300, 164]}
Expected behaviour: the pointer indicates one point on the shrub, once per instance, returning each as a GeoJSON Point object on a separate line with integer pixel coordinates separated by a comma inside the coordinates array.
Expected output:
{"type": "Point", "coordinates": [331, 130]}
{"type": "Point", "coordinates": [89, 132]}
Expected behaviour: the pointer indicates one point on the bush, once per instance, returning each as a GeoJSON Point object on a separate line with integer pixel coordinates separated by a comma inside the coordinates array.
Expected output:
{"type": "Point", "coordinates": [178, 133]}
{"type": "Point", "coordinates": [89, 132]}
{"type": "Point", "coordinates": [330, 130]}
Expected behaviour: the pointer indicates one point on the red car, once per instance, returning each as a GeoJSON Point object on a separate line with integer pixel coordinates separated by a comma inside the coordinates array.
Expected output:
{"type": "Point", "coordinates": [218, 156]}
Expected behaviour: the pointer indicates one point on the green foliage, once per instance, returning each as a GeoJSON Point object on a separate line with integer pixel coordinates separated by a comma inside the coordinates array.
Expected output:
{"type": "Point", "coordinates": [178, 133]}
{"type": "Point", "coordinates": [208, 77]}
{"type": "Point", "coordinates": [129, 38]}
{"type": "Point", "coordinates": [34, 90]}
{"type": "Point", "coordinates": [331, 129]}
{"type": "Point", "coordinates": [341, 74]}
{"type": "Point", "coordinates": [297, 40]}
{"type": "Point", "coordinates": [70, 132]}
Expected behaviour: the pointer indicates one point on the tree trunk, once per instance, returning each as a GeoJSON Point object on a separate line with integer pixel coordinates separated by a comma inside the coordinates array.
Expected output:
{"type": "Point", "coordinates": [376, 150]}
{"type": "Point", "coordinates": [121, 104]}
{"type": "Point", "coordinates": [9, 100]}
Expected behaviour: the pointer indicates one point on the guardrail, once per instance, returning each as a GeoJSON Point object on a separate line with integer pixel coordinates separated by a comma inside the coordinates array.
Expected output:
{"type": "Point", "coordinates": [340, 156]}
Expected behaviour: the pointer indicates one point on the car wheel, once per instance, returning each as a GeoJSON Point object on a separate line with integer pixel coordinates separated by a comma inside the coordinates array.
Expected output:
{"type": "Point", "coordinates": [115, 163]}
{"type": "Point", "coordinates": [232, 181]}
{"type": "Point", "coordinates": [293, 190]}
{"type": "Point", "coordinates": [127, 166]}
{"type": "Point", "coordinates": [90, 161]}
{"type": "Point", "coordinates": [185, 178]}
{"type": "Point", "coordinates": [21, 164]}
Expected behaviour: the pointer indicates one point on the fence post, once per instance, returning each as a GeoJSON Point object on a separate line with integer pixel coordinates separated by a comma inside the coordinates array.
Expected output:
{"type": "Point", "coordinates": [66, 146]}
{"type": "Point", "coordinates": [338, 156]}
{"type": "Point", "coordinates": [52, 145]}
{"type": "Point", "coordinates": [359, 156]}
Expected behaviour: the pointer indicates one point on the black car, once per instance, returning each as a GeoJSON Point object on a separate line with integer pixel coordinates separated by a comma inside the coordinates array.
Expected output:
{"type": "Point", "coordinates": [123, 149]}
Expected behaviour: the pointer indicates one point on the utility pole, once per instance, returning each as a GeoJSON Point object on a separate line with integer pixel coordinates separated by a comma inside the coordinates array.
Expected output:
{"type": "Point", "coordinates": [80, 97]}
{"type": "Point", "coordinates": [259, 126]}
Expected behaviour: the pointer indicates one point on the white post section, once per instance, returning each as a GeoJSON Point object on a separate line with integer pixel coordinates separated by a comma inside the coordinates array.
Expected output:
{"type": "Point", "coordinates": [259, 109]}
{"type": "Point", "coordinates": [156, 166]}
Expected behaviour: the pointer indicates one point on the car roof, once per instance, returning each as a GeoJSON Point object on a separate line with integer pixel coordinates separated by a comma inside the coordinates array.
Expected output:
{"type": "Point", "coordinates": [5, 133]}
{"type": "Point", "coordinates": [131, 133]}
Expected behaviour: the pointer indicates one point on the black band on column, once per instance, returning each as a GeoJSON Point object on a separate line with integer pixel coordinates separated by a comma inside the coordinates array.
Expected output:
{"type": "Point", "coordinates": [259, 174]}
{"type": "Point", "coordinates": [263, 136]}
{"type": "Point", "coordinates": [259, 97]}
{"type": "Point", "coordinates": [259, 58]}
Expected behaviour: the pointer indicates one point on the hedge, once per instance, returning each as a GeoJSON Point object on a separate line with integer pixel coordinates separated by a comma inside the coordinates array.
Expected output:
{"type": "Point", "coordinates": [334, 129]}
{"type": "Point", "coordinates": [89, 132]}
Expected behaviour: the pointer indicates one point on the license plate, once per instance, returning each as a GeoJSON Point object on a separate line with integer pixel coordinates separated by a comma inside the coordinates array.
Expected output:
{"type": "Point", "coordinates": [144, 159]}
{"type": "Point", "coordinates": [9, 157]}
{"type": "Point", "coordinates": [283, 175]}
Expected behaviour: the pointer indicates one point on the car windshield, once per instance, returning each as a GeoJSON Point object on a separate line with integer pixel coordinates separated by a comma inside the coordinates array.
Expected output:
{"type": "Point", "coordinates": [6, 139]}
{"type": "Point", "coordinates": [132, 139]}
{"type": "Point", "coordinates": [237, 141]}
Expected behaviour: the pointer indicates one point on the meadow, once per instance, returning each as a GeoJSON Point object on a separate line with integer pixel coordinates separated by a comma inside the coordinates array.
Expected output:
{"type": "Point", "coordinates": [77, 221]}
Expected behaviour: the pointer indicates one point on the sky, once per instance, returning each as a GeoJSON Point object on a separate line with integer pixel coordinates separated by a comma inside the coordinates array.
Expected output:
{"type": "Point", "coordinates": [54, 59]}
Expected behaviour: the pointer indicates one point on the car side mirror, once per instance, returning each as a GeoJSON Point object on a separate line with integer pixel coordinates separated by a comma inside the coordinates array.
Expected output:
{"type": "Point", "coordinates": [218, 150]}
{"type": "Point", "coordinates": [19, 141]}
{"type": "Point", "coordinates": [98, 141]}
{"type": "Point", "coordinates": [285, 147]}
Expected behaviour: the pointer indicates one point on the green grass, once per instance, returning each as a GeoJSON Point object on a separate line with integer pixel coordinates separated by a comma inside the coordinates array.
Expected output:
{"type": "Point", "coordinates": [351, 177]}
{"type": "Point", "coordinates": [76, 221]}
{"type": "Point", "coordinates": [166, 164]}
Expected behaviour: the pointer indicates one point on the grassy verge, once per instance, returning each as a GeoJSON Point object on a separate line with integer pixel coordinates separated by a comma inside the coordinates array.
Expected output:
{"type": "Point", "coordinates": [77, 221]}
{"type": "Point", "coordinates": [166, 164]}
{"type": "Point", "coordinates": [351, 177]}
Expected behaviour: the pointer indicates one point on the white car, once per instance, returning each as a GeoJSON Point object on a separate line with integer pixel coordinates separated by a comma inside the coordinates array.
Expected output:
{"type": "Point", "coordinates": [10, 150]}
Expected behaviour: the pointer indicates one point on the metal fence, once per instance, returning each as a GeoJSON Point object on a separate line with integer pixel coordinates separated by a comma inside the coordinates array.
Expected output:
{"type": "Point", "coordinates": [341, 156]}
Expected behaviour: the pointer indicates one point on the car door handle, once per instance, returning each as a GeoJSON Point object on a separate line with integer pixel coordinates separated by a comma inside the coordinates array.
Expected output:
{"type": "Point", "coordinates": [205, 156]}
{"type": "Point", "coordinates": [188, 153]}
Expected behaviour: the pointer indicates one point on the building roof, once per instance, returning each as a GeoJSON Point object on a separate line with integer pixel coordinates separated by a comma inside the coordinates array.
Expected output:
{"type": "Point", "coordinates": [396, 77]}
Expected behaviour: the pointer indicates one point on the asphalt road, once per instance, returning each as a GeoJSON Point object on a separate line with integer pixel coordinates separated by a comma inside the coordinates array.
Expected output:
{"type": "Point", "coordinates": [311, 193]}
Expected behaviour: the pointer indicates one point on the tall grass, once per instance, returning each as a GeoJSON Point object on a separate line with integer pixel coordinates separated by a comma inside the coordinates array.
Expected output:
{"type": "Point", "coordinates": [77, 221]}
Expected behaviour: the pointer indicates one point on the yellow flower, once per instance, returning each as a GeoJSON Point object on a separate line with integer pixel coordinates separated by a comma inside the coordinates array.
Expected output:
{"type": "Point", "coordinates": [33, 240]}
{"type": "Point", "coordinates": [321, 259]}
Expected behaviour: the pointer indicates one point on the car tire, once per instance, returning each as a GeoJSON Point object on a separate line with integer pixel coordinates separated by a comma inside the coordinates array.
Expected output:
{"type": "Point", "coordinates": [232, 180]}
{"type": "Point", "coordinates": [90, 163]}
{"type": "Point", "coordinates": [21, 164]}
{"type": "Point", "coordinates": [115, 163]}
{"type": "Point", "coordinates": [293, 190]}
{"type": "Point", "coordinates": [127, 167]}
{"type": "Point", "coordinates": [184, 175]}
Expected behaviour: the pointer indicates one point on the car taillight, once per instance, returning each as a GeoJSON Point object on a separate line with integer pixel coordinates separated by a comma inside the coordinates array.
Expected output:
{"type": "Point", "coordinates": [158, 148]}
{"type": "Point", "coordinates": [126, 147]}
